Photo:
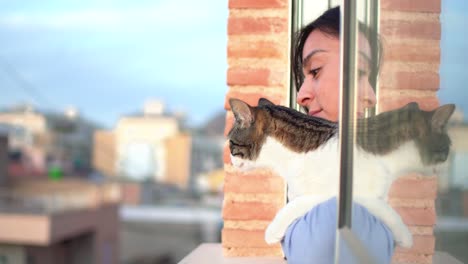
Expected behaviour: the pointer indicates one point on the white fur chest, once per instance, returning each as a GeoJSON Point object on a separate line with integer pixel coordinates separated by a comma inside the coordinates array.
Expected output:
{"type": "Point", "coordinates": [312, 172]}
{"type": "Point", "coordinates": [317, 172]}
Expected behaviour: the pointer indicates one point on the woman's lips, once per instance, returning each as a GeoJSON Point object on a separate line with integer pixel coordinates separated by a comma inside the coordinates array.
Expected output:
{"type": "Point", "coordinates": [314, 112]}
{"type": "Point", "coordinates": [317, 112]}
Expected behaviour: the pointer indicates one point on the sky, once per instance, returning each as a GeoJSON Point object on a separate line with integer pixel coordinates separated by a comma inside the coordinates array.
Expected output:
{"type": "Point", "coordinates": [106, 58]}
{"type": "Point", "coordinates": [454, 55]}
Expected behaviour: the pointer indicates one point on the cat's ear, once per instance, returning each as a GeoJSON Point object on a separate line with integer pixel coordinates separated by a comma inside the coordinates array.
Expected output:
{"type": "Point", "coordinates": [243, 113]}
{"type": "Point", "coordinates": [441, 116]}
{"type": "Point", "coordinates": [264, 102]}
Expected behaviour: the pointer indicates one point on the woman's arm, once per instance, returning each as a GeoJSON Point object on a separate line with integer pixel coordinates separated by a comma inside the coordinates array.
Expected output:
{"type": "Point", "coordinates": [311, 238]}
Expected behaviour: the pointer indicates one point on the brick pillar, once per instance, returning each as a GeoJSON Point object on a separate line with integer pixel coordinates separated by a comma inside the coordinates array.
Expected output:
{"type": "Point", "coordinates": [410, 73]}
{"type": "Point", "coordinates": [258, 51]}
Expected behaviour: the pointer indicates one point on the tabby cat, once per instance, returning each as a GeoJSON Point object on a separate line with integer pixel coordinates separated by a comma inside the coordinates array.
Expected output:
{"type": "Point", "coordinates": [304, 151]}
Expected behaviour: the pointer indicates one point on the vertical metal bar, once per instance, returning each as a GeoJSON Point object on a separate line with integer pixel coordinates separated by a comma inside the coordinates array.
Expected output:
{"type": "Point", "coordinates": [365, 13]}
{"type": "Point", "coordinates": [296, 24]}
{"type": "Point", "coordinates": [360, 252]}
{"type": "Point", "coordinates": [348, 38]}
{"type": "Point", "coordinates": [374, 24]}
{"type": "Point", "coordinates": [347, 112]}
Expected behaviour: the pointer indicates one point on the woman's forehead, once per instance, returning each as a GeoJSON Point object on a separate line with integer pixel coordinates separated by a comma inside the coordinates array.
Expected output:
{"type": "Point", "coordinates": [317, 40]}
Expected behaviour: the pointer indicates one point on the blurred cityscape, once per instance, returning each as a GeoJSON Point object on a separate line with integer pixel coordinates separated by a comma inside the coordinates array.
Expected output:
{"type": "Point", "coordinates": [149, 190]}
{"type": "Point", "coordinates": [451, 229]}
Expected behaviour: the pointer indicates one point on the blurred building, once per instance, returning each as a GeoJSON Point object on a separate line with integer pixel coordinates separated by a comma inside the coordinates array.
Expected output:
{"type": "Point", "coordinates": [211, 182]}
{"type": "Point", "coordinates": [104, 152]}
{"type": "Point", "coordinates": [453, 184]}
{"type": "Point", "coordinates": [38, 140]}
{"type": "Point", "coordinates": [27, 132]}
{"type": "Point", "coordinates": [147, 146]}
{"type": "Point", "coordinates": [59, 223]}
{"type": "Point", "coordinates": [207, 154]}
{"type": "Point", "coordinates": [26, 117]}
{"type": "Point", "coordinates": [3, 158]}
{"type": "Point", "coordinates": [53, 222]}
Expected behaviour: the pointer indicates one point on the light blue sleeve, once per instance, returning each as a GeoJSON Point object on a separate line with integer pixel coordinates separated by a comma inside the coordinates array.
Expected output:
{"type": "Point", "coordinates": [311, 238]}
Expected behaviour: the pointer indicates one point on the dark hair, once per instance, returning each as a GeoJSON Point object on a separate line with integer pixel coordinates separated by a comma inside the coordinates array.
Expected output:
{"type": "Point", "coordinates": [329, 23]}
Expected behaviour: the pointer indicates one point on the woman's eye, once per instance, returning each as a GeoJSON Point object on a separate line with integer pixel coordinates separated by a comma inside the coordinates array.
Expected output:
{"type": "Point", "coordinates": [314, 72]}
{"type": "Point", "coordinates": [362, 73]}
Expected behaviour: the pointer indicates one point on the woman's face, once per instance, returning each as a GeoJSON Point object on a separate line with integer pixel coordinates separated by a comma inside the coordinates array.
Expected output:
{"type": "Point", "coordinates": [319, 93]}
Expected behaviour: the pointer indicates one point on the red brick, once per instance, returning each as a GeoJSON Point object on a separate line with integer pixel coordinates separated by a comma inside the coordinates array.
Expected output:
{"type": "Point", "coordinates": [226, 154]}
{"type": "Point", "coordinates": [417, 216]}
{"type": "Point", "coordinates": [405, 258]}
{"type": "Point", "coordinates": [414, 188]}
{"type": "Point", "coordinates": [412, 52]}
{"type": "Point", "coordinates": [229, 122]}
{"type": "Point", "coordinates": [256, 26]}
{"type": "Point", "coordinates": [243, 238]}
{"type": "Point", "coordinates": [425, 103]}
{"type": "Point", "coordinates": [256, 49]}
{"type": "Point", "coordinates": [243, 76]}
{"type": "Point", "coordinates": [258, 181]}
{"type": "Point", "coordinates": [261, 77]}
{"type": "Point", "coordinates": [233, 4]}
{"type": "Point", "coordinates": [417, 81]}
{"type": "Point", "coordinates": [421, 245]}
{"type": "Point", "coordinates": [251, 97]}
{"type": "Point", "coordinates": [249, 210]}
{"type": "Point", "coordinates": [410, 29]}
{"type": "Point", "coordinates": [429, 6]}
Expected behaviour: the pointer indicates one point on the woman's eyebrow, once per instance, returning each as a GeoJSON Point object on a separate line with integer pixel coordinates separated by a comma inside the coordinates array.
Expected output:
{"type": "Point", "coordinates": [309, 56]}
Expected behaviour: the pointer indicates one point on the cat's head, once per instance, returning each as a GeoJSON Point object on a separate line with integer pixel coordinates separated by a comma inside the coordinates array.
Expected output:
{"type": "Point", "coordinates": [434, 142]}
{"type": "Point", "coordinates": [248, 133]}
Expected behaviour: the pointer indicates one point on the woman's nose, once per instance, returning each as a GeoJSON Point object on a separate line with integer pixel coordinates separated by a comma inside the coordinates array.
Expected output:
{"type": "Point", "coordinates": [368, 97]}
{"type": "Point", "coordinates": [305, 94]}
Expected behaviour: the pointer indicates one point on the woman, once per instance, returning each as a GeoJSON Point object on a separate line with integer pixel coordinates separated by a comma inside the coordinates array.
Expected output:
{"type": "Point", "coordinates": [316, 59]}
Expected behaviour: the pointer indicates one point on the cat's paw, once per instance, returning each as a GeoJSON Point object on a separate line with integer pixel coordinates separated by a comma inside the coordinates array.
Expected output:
{"type": "Point", "coordinates": [403, 237]}
{"type": "Point", "coordinates": [274, 233]}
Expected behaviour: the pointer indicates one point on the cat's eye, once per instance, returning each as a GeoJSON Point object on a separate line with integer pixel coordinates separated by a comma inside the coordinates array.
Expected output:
{"type": "Point", "coordinates": [237, 144]}
{"type": "Point", "coordinates": [443, 149]}
{"type": "Point", "coordinates": [231, 142]}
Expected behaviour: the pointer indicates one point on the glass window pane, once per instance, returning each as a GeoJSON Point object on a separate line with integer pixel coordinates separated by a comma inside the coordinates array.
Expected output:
{"type": "Point", "coordinates": [451, 230]}
{"type": "Point", "coordinates": [328, 75]}
{"type": "Point", "coordinates": [428, 206]}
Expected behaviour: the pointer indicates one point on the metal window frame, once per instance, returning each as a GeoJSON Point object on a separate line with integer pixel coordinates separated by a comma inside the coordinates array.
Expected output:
{"type": "Point", "coordinates": [295, 24]}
